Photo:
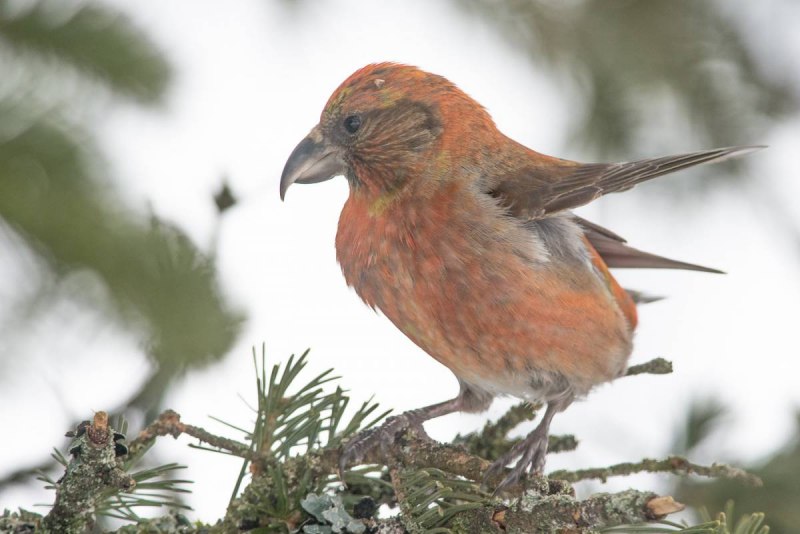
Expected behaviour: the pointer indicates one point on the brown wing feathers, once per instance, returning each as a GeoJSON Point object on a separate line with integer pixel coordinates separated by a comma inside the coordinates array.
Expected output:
{"type": "Point", "coordinates": [555, 185]}
{"type": "Point", "coordinates": [590, 181]}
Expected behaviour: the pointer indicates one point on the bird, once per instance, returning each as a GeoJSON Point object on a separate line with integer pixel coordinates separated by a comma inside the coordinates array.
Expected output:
{"type": "Point", "coordinates": [466, 240]}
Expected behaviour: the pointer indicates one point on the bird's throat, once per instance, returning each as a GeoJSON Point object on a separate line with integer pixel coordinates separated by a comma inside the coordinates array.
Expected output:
{"type": "Point", "coordinates": [382, 202]}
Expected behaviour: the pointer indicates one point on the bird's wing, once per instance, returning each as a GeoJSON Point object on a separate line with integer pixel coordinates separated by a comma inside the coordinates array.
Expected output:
{"type": "Point", "coordinates": [558, 185]}
{"type": "Point", "coordinates": [616, 253]}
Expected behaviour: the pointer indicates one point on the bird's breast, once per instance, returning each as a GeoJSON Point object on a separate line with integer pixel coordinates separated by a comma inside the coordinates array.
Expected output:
{"type": "Point", "coordinates": [478, 292]}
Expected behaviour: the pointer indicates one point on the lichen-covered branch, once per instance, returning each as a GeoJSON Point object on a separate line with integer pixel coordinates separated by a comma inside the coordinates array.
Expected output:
{"type": "Point", "coordinates": [561, 443]}
{"type": "Point", "coordinates": [411, 450]}
{"type": "Point", "coordinates": [414, 451]}
{"type": "Point", "coordinates": [534, 512]}
{"type": "Point", "coordinates": [93, 469]}
{"type": "Point", "coordinates": [673, 464]}
{"type": "Point", "coordinates": [169, 424]}
{"type": "Point", "coordinates": [293, 457]}
{"type": "Point", "coordinates": [658, 366]}
{"type": "Point", "coordinates": [492, 441]}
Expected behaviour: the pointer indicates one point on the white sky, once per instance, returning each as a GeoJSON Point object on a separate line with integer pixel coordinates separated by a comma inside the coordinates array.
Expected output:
{"type": "Point", "coordinates": [252, 78]}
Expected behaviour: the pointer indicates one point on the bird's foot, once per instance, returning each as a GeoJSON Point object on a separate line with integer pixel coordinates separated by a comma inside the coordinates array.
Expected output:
{"type": "Point", "coordinates": [353, 451]}
{"type": "Point", "coordinates": [531, 452]}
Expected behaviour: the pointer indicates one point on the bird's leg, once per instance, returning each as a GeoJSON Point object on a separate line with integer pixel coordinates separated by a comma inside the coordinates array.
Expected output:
{"type": "Point", "coordinates": [353, 452]}
{"type": "Point", "coordinates": [468, 400]}
{"type": "Point", "coordinates": [531, 450]}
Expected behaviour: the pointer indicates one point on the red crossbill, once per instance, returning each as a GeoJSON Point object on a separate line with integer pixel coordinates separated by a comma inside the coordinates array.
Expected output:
{"type": "Point", "coordinates": [465, 240]}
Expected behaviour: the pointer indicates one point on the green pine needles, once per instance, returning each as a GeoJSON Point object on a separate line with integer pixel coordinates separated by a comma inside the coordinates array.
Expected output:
{"type": "Point", "coordinates": [289, 481]}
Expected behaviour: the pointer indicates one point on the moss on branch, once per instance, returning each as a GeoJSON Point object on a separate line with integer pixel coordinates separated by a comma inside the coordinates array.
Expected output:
{"type": "Point", "coordinates": [672, 464]}
{"type": "Point", "coordinates": [534, 512]}
{"type": "Point", "coordinates": [94, 468]}
{"type": "Point", "coordinates": [657, 366]}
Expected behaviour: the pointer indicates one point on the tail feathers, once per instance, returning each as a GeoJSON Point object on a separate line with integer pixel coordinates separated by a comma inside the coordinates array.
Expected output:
{"type": "Point", "coordinates": [639, 297]}
{"type": "Point", "coordinates": [620, 255]}
{"type": "Point", "coordinates": [616, 253]}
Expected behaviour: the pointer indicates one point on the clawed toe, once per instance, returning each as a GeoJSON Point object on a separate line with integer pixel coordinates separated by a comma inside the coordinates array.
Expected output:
{"type": "Point", "coordinates": [355, 450]}
{"type": "Point", "coordinates": [499, 465]}
{"type": "Point", "coordinates": [384, 436]}
{"type": "Point", "coordinates": [531, 452]}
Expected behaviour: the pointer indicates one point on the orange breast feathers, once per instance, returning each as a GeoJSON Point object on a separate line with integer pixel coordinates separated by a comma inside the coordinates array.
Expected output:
{"type": "Point", "coordinates": [469, 287]}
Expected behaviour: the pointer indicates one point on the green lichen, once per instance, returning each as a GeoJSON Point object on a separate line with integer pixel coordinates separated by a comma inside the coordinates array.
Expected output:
{"type": "Point", "coordinates": [93, 469]}
{"type": "Point", "coordinates": [331, 515]}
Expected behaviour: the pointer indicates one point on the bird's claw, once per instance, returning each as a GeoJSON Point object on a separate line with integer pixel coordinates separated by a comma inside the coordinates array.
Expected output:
{"type": "Point", "coordinates": [354, 451]}
{"type": "Point", "coordinates": [531, 452]}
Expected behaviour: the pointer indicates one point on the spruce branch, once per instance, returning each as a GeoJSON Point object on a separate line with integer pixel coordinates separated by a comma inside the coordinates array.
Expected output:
{"type": "Point", "coordinates": [293, 451]}
{"type": "Point", "coordinates": [431, 498]}
{"type": "Point", "coordinates": [292, 458]}
{"type": "Point", "coordinates": [672, 464]}
{"type": "Point", "coordinates": [561, 443]}
{"type": "Point", "coordinates": [411, 450]}
{"type": "Point", "coordinates": [563, 513]}
{"type": "Point", "coordinates": [169, 424]}
{"type": "Point", "coordinates": [747, 524]}
{"type": "Point", "coordinates": [293, 425]}
{"type": "Point", "coordinates": [657, 366]}
{"type": "Point", "coordinates": [492, 441]}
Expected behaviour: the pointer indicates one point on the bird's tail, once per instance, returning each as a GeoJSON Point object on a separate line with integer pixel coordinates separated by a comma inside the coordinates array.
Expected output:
{"type": "Point", "coordinates": [639, 297]}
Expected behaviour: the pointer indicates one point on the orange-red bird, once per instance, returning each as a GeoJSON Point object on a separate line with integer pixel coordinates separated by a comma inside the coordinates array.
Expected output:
{"type": "Point", "coordinates": [465, 240]}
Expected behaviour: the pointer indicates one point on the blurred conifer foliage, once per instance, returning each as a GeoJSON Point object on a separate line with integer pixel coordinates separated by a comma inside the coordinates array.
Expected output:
{"type": "Point", "coordinates": [778, 497]}
{"type": "Point", "coordinates": [61, 218]}
{"type": "Point", "coordinates": [650, 77]}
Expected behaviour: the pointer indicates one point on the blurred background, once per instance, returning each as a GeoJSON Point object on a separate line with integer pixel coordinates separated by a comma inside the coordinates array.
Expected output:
{"type": "Point", "coordinates": [144, 250]}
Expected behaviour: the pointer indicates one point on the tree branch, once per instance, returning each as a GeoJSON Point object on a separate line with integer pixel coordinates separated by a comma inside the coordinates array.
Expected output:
{"type": "Point", "coordinates": [658, 366]}
{"type": "Point", "coordinates": [673, 464]}
{"type": "Point", "coordinates": [562, 513]}
{"type": "Point", "coordinates": [547, 501]}
{"type": "Point", "coordinates": [492, 441]}
{"type": "Point", "coordinates": [169, 424]}
{"type": "Point", "coordinates": [94, 468]}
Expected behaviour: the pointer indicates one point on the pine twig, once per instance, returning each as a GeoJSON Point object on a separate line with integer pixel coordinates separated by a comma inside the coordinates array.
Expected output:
{"type": "Point", "coordinates": [563, 513]}
{"type": "Point", "coordinates": [673, 464]}
{"type": "Point", "coordinates": [169, 424]}
{"type": "Point", "coordinates": [413, 451]}
{"type": "Point", "coordinates": [519, 413]}
{"type": "Point", "coordinates": [658, 366]}
{"type": "Point", "coordinates": [492, 441]}
{"type": "Point", "coordinates": [561, 443]}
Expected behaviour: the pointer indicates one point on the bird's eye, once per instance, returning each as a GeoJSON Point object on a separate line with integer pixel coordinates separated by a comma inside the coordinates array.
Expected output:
{"type": "Point", "coordinates": [352, 123]}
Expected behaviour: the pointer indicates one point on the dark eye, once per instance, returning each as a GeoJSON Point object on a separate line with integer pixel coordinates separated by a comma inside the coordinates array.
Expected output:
{"type": "Point", "coordinates": [352, 123]}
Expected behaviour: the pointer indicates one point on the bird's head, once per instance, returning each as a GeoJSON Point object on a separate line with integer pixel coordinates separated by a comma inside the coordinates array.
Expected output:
{"type": "Point", "coordinates": [383, 126]}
